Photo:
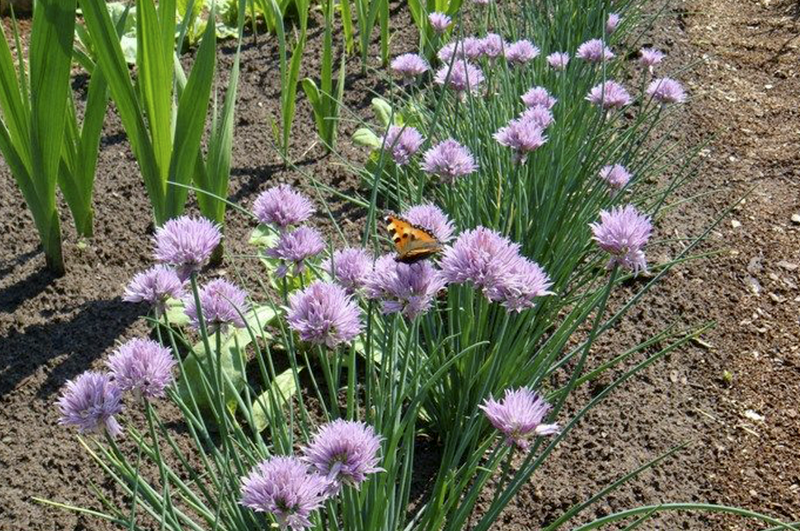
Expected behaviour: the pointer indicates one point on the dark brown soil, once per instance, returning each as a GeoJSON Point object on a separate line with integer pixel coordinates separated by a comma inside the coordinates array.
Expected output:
{"type": "Point", "coordinates": [744, 91]}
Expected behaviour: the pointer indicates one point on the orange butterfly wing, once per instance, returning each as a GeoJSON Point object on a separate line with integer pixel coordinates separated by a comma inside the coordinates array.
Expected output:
{"type": "Point", "coordinates": [411, 242]}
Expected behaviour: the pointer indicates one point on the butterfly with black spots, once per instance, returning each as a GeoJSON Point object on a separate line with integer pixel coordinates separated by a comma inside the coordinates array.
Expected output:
{"type": "Point", "coordinates": [411, 242]}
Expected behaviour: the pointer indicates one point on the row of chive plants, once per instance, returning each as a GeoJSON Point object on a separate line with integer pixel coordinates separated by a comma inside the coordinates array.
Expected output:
{"type": "Point", "coordinates": [305, 411]}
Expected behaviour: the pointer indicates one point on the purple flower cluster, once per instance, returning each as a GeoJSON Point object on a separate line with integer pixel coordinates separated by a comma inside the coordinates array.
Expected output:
{"type": "Point", "coordinates": [519, 416]}
{"type": "Point", "coordinates": [282, 207]}
{"type": "Point", "coordinates": [609, 95]}
{"type": "Point", "coordinates": [154, 286]}
{"type": "Point", "coordinates": [558, 60]}
{"type": "Point", "coordinates": [439, 22]}
{"type": "Point", "coordinates": [350, 267]}
{"type": "Point", "coordinates": [324, 314]}
{"type": "Point", "coordinates": [409, 65]}
{"type": "Point", "coordinates": [623, 232]}
{"type": "Point", "coordinates": [431, 218]}
{"type": "Point", "coordinates": [221, 303]}
{"type": "Point", "coordinates": [666, 90]}
{"type": "Point", "coordinates": [615, 175]}
{"type": "Point", "coordinates": [90, 402]}
{"type": "Point", "coordinates": [649, 57]}
{"type": "Point", "coordinates": [538, 97]}
{"type": "Point", "coordinates": [594, 51]}
{"type": "Point", "coordinates": [294, 248]}
{"type": "Point", "coordinates": [523, 136]}
{"type": "Point", "coordinates": [493, 46]}
{"type": "Point", "coordinates": [538, 115]}
{"type": "Point", "coordinates": [186, 243]}
{"type": "Point", "coordinates": [612, 23]}
{"type": "Point", "coordinates": [291, 489]}
{"type": "Point", "coordinates": [402, 142]}
{"type": "Point", "coordinates": [344, 452]}
{"type": "Point", "coordinates": [449, 160]}
{"type": "Point", "coordinates": [521, 52]}
{"type": "Point", "coordinates": [404, 288]}
{"type": "Point", "coordinates": [142, 367]}
{"type": "Point", "coordinates": [461, 77]}
{"type": "Point", "coordinates": [492, 263]}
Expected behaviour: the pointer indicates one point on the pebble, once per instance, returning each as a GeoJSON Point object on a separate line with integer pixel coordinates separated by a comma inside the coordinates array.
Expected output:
{"type": "Point", "coordinates": [796, 219]}
{"type": "Point", "coordinates": [789, 266]}
{"type": "Point", "coordinates": [736, 224]}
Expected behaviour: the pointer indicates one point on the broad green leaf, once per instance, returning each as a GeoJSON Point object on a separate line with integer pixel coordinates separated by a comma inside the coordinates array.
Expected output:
{"type": "Point", "coordinates": [280, 391]}
{"type": "Point", "coordinates": [176, 313]}
{"type": "Point", "coordinates": [366, 137]}
{"type": "Point", "coordinates": [383, 111]}
{"type": "Point", "coordinates": [263, 237]}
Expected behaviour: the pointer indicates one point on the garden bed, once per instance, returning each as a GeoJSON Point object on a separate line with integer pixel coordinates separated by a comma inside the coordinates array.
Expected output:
{"type": "Point", "coordinates": [55, 328]}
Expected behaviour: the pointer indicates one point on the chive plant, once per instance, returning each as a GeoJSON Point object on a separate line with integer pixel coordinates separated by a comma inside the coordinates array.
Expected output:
{"type": "Point", "coordinates": [35, 113]}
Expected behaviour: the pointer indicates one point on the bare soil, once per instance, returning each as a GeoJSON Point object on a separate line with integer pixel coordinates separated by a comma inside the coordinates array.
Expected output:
{"type": "Point", "coordinates": [744, 429]}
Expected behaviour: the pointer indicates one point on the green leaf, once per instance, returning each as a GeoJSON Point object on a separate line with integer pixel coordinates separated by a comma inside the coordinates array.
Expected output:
{"type": "Point", "coordinates": [280, 391]}
{"type": "Point", "coordinates": [383, 111]}
{"type": "Point", "coordinates": [263, 237]}
{"type": "Point", "coordinates": [176, 313]}
{"type": "Point", "coordinates": [366, 137]}
{"type": "Point", "coordinates": [232, 358]}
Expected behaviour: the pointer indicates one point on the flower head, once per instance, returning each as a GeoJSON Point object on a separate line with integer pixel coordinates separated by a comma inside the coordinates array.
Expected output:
{"type": "Point", "coordinates": [609, 95]}
{"type": "Point", "coordinates": [449, 160]}
{"type": "Point", "coordinates": [154, 286]}
{"type": "Point", "coordinates": [143, 367]}
{"type": "Point", "coordinates": [462, 77]}
{"type": "Point", "coordinates": [615, 175]}
{"type": "Point", "coordinates": [493, 264]}
{"type": "Point", "coordinates": [538, 97]}
{"type": "Point", "coordinates": [439, 22]}
{"type": "Point", "coordinates": [454, 49]}
{"type": "Point", "coordinates": [90, 402]}
{"type": "Point", "coordinates": [493, 45]}
{"type": "Point", "coordinates": [594, 51]}
{"type": "Point", "coordinates": [431, 218]}
{"type": "Point", "coordinates": [521, 52]}
{"type": "Point", "coordinates": [519, 416]}
{"type": "Point", "coordinates": [350, 267]}
{"type": "Point", "coordinates": [222, 304]}
{"type": "Point", "coordinates": [404, 288]}
{"type": "Point", "coordinates": [294, 248]}
{"type": "Point", "coordinates": [623, 233]}
{"type": "Point", "coordinates": [666, 90]}
{"type": "Point", "coordinates": [186, 243]}
{"type": "Point", "coordinates": [402, 142]}
{"type": "Point", "coordinates": [538, 115]}
{"type": "Point", "coordinates": [612, 22]}
{"type": "Point", "coordinates": [558, 60]}
{"type": "Point", "coordinates": [409, 65]}
{"type": "Point", "coordinates": [344, 452]}
{"type": "Point", "coordinates": [285, 487]}
{"type": "Point", "coordinates": [473, 48]}
{"type": "Point", "coordinates": [282, 206]}
{"type": "Point", "coordinates": [523, 136]}
{"type": "Point", "coordinates": [649, 57]}
{"type": "Point", "coordinates": [324, 314]}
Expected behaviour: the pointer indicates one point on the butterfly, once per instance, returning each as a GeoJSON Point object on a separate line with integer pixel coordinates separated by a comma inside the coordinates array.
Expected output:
{"type": "Point", "coordinates": [412, 243]}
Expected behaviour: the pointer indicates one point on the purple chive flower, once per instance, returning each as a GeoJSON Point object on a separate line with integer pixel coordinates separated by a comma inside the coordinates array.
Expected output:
{"type": "Point", "coordinates": [186, 243]}
{"type": "Point", "coordinates": [523, 136]}
{"type": "Point", "coordinates": [538, 96]}
{"type": "Point", "coordinates": [324, 314]}
{"type": "Point", "coordinates": [492, 263]}
{"type": "Point", "coordinates": [649, 57]}
{"type": "Point", "coordinates": [521, 52]}
{"type": "Point", "coordinates": [294, 247]}
{"type": "Point", "coordinates": [493, 46]}
{"type": "Point", "coordinates": [449, 160]}
{"type": "Point", "coordinates": [473, 48]}
{"type": "Point", "coordinates": [558, 60]}
{"type": "Point", "coordinates": [143, 367]}
{"type": "Point", "coordinates": [450, 50]}
{"type": "Point", "coordinates": [623, 232]}
{"type": "Point", "coordinates": [154, 286]}
{"type": "Point", "coordinates": [666, 90]}
{"type": "Point", "coordinates": [409, 65]}
{"type": "Point", "coordinates": [404, 288]}
{"type": "Point", "coordinates": [612, 23]}
{"type": "Point", "coordinates": [594, 51]}
{"type": "Point", "coordinates": [615, 175]}
{"type": "Point", "coordinates": [609, 95]}
{"type": "Point", "coordinates": [431, 218]}
{"type": "Point", "coordinates": [538, 115]}
{"type": "Point", "coordinates": [285, 487]}
{"type": "Point", "coordinates": [350, 267]}
{"type": "Point", "coordinates": [403, 142]}
{"type": "Point", "coordinates": [344, 452]}
{"type": "Point", "coordinates": [282, 207]}
{"type": "Point", "coordinates": [519, 416]}
{"type": "Point", "coordinates": [221, 303]}
{"type": "Point", "coordinates": [90, 402]}
{"type": "Point", "coordinates": [461, 77]}
{"type": "Point", "coordinates": [439, 22]}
